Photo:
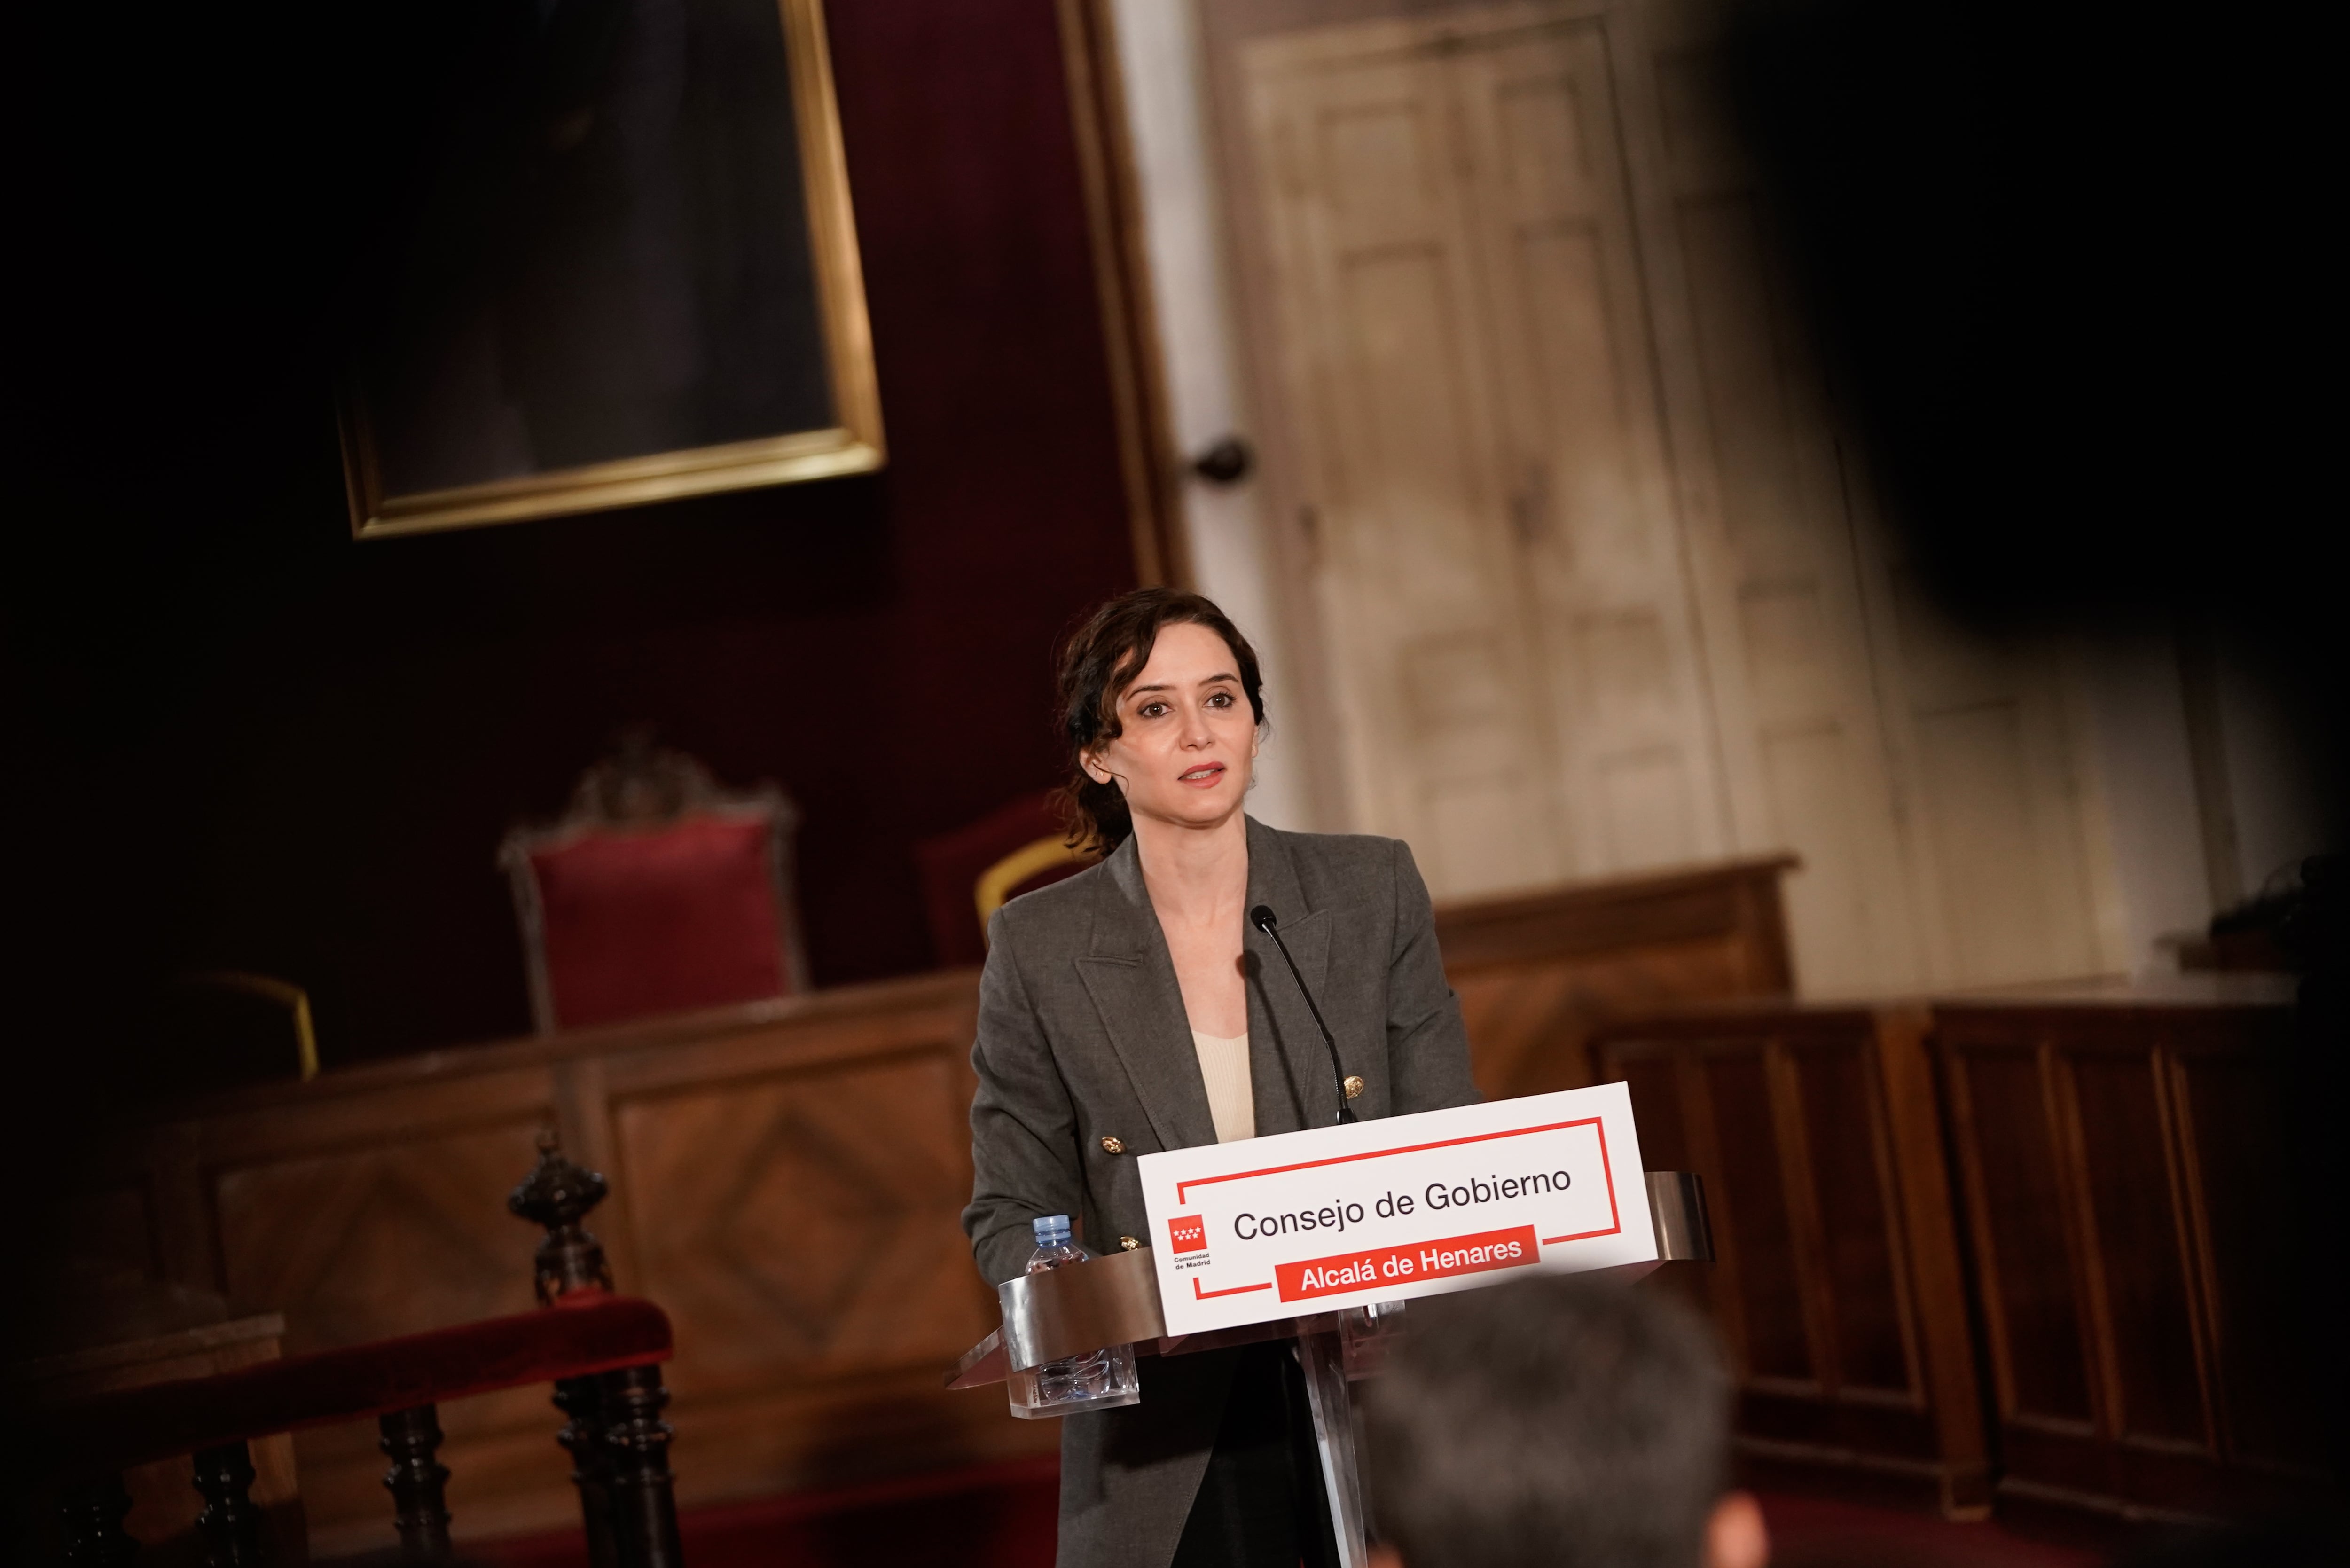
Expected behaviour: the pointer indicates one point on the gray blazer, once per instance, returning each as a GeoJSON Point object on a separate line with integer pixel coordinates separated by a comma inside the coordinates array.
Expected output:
{"type": "Point", "coordinates": [1083, 1038]}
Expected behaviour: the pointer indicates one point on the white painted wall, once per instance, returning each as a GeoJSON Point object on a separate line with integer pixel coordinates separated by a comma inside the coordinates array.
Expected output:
{"type": "Point", "coordinates": [2145, 774]}
{"type": "Point", "coordinates": [2272, 787]}
{"type": "Point", "coordinates": [1159, 55]}
{"type": "Point", "coordinates": [2136, 708]}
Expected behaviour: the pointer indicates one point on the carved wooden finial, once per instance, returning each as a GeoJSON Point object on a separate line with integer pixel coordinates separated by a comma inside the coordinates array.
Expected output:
{"type": "Point", "coordinates": [558, 1194]}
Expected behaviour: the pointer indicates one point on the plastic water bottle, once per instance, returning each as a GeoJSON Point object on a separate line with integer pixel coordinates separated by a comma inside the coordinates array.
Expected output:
{"type": "Point", "coordinates": [1098, 1380]}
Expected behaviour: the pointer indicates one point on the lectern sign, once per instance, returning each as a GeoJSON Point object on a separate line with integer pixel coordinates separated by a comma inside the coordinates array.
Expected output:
{"type": "Point", "coordinates": [1411, 1206]}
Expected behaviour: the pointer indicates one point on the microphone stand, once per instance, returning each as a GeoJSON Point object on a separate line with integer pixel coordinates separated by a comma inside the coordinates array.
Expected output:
{"type": "Point", "coordinates": [1263, 920]}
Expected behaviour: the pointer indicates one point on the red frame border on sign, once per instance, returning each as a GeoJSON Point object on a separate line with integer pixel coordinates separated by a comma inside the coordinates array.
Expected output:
{"type": "Point", "coordinates": [1606, 1171]}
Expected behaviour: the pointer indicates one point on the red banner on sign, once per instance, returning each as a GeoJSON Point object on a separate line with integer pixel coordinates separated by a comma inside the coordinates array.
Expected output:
{"type": "Point", "coordinates": [1408, 1264]}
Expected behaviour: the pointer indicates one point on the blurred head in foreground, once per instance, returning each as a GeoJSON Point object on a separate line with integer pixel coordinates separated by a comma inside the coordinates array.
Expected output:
{"type": "Point", "coordinates": [1557, 1423]}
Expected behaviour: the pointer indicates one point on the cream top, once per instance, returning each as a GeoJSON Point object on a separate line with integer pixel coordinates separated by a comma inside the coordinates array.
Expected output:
{"type": "Point", "coordinates": [1224, 1067]}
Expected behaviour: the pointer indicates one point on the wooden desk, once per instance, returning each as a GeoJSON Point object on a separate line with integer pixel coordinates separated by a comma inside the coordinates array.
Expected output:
{"type": "Point", "coordinates": [2113, 1230]}
{"type": "Point", "coordinates": [1537, 973]}
{"type": "Point", "coordinates": [788, 1179]}
{"type": "Point", "coordinates": [2141, 1282]}
{"type": "Point", "coordinates": [1838, 1285]}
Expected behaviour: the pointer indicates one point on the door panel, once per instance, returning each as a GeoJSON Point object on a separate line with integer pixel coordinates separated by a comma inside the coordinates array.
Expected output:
{"type": "Point", "coordinates": [1944, 836]}
{"type": "Point", "coordinates": [1384, 354]}
{"type": "Point", "coordinates": [1591, 502]}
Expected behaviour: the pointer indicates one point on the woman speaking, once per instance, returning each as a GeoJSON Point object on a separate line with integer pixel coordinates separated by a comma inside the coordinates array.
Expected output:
{"type": "Point", "coordinates": [1132, 1008]}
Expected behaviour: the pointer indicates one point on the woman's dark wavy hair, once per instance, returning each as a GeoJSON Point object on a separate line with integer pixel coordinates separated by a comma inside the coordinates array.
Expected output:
{"type": "Point", "coordinates": [1099, 660]}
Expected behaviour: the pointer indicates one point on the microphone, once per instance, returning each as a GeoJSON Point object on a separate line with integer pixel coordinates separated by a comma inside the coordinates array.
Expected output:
{"type": "Point", "coordinates": [1262, 918]}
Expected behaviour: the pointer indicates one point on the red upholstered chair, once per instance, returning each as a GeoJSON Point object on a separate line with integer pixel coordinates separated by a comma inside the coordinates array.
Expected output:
{"type": "Point", "coordinates": [657, 892]}
{"type": "Point", "coordinates": [975, 870]}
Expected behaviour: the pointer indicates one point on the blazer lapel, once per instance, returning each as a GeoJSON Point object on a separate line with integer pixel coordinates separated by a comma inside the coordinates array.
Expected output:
{"type": "Point", "coordinates": [1132, 983]}
{"type": "Point", "coordinates": [1288, 1064]}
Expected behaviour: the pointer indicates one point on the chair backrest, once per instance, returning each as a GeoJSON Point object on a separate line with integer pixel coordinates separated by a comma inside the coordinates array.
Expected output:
{"type": "Point", "coordinates": [657, 892]}
{"type": "Point", "coordinates": [228, 1029]}
{"type": "Point", "coordinates": [969, 874]}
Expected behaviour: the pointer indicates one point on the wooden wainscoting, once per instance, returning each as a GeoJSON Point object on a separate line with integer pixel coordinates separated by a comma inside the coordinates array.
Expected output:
{"type": "Point", "coordinates": [2031, 1247]}
{"type": "Point", "coordinates": [1537, 972]}
{"type": "Point", "coordinates": [1837, 1287]}
{"type": "Point", "coordinates": [2127, 1194]}
{"type": "Point", "coordinates": [786, 1181]}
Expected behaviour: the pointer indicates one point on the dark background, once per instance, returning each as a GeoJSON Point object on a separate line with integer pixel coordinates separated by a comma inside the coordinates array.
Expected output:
{"type": "Point", "coordinates": [249, 742]}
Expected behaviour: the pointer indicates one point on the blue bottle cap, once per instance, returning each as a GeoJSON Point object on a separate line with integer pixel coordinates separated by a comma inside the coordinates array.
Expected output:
{"type": "Point", "coordinates": [1050, 1228]}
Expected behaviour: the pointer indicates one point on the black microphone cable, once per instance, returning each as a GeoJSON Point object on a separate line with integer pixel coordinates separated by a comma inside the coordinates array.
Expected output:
{"type": "Point", "coordinates": [1263, 920]}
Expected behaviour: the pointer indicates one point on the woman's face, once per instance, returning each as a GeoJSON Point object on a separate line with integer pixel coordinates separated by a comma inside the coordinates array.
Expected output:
{"type": "Point", "coordinates": [1187, 737]}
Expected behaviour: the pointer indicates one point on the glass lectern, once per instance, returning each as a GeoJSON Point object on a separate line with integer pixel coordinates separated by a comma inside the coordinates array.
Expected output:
{"type": "Point", "coordinates": [1114, 1300]}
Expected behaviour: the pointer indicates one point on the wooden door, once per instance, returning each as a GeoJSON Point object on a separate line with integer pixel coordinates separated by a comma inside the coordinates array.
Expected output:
{"type": "Point", "coordinates": [1770, 536]}
{"type": "Point", "coordinates": [1603, 586]}
{"type": "Point", "coordinates": [2144, 1308]}
{"type": "Point", "coordinates": [1590, 500]}
{"type": "Point", "coordinates": [1435, 674]}
{"type": "Point", "coordinates": [1514, 659]}
{"type": "Point", "coordinates": [1927, 776]}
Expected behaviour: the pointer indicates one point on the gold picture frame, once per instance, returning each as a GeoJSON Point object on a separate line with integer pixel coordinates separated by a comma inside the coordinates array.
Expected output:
{"type": "Point", "coordinates": [851, 443]}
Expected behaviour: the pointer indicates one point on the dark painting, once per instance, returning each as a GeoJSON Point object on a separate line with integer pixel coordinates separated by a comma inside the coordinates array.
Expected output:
{"type": "Point", "coordinates": [607, 257]}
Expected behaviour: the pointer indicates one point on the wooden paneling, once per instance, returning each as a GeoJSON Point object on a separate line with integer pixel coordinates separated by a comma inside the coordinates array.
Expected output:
{"type": "Point", "coordinates": [802, 1220]}
{"type": "Point", "coordinates": [2243, 1233]}
{"type": "Point", "coordinates": [2127, 1194]}
{"type": "Point", "coordinates": [1536, 973]}
{"type": "Point", "coordinates": [2116, 1166]}
{"type": "Point", "coordinates": [786, 1181]}
{"type": "Point", "coordinates": [336, 1236]}
{"type": "Point", "coordinates": [1837, 1284]}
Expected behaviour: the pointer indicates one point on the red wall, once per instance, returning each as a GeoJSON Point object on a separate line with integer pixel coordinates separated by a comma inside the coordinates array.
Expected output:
{"type": "Point", "coordinates": [298, 752]}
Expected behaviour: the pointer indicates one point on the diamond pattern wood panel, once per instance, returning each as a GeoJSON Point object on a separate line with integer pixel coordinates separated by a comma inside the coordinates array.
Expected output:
{"type": "Point", "coordinates": [407, 1235]}
{"type": "Point", "coordinates": [803, 1225]}
{"type": "Point", "coordinates": [787, 1180]}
